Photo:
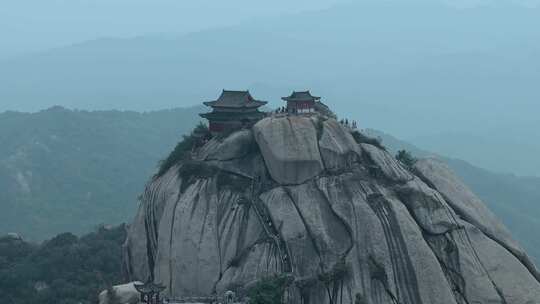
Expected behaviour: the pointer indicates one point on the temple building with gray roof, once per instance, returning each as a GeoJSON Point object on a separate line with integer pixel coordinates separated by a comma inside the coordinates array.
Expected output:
{"type": "Point", "coordinates": [233, 110]}
{"type": "Point", "coordinates": [301, 102]}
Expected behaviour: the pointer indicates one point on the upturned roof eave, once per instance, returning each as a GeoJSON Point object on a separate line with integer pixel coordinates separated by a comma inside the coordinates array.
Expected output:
{"type": "Point", "coordinates": [232, 115]}
{"type": "Point", "coordinates": [149, 287]}
{"type": "Point", "coordinates": [301, 96]}
{"type": "Point", "coordinates": [313, 98]}
{"type": "Point", "coordinates": [251, 104]}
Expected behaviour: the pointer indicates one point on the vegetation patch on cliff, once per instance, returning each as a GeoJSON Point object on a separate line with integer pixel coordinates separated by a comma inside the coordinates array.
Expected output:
{"type": "Point", "coordinates": [183, 148]}
{"type": "Point", "coordinates": [407, 159]}
{"type": "Point", "coordinates": [269, 290]}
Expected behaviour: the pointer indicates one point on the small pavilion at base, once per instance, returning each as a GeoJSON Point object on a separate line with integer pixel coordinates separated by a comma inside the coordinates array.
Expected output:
{"type": "Point", "coordinates": [150, 292]}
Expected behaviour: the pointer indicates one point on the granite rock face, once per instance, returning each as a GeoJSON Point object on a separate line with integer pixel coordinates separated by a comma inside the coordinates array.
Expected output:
{"type": "Point", "coordinates": [346, 222]}
{"type": "Point", "coordinates": [338, 148]}
{"type": "Point", "coordinates": [290, 148]}
{"type": "Point", "coordinates": [123, 294]}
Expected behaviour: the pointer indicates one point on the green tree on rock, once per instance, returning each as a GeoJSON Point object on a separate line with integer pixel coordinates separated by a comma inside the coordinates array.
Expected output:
{"type": "Point", "coordinates": [406, 158]}
{"type": "Point", "coordinates": [268, 290]}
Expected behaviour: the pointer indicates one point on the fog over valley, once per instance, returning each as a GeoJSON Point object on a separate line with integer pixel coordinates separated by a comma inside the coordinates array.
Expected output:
{"type": "Point", "coordinates": [464, 86]}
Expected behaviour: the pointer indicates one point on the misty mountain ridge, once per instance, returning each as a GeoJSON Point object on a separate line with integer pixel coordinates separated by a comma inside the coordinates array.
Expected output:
{"type": "Point", "coordinates": [79, 168]}
{"type": "Point", "coordinates": [458, 74]}
{"type": "Point", "coordinates": [45, 22]}
{"type": "Point", "coordinates": [362, 29]}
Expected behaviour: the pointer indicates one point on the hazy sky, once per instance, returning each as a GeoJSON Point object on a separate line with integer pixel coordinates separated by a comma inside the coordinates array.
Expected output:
{"type": "Point", "coordinates": [417, 70]}
{"type": "Point", "coordinates": [33, 25]}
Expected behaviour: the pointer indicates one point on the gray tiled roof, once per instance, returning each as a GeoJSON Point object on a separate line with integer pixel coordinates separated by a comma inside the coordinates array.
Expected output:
{"type": "Point", "coordinates": [149, 287]}
{"type": "Point", "coordinates": [236, 99]}
{"type": "Point", "coordinates": [301, 96]}
{"type": "Point", "coordinates": [255, 115]}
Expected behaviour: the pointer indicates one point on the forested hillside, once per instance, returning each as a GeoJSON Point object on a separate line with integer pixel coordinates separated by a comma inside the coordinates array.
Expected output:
{"type": "Point", "coordinates": [63, 270]}
{"type": "Point", "coordinates": [68, 171]}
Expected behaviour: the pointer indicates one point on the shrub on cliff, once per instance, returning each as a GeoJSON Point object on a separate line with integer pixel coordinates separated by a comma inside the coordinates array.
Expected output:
{"type": "Point", "coordinates": [406, 158]}
{"type": "Point", "coordinates": [184, 147]}
{"type": "Point", "coordinates": [269, 290]}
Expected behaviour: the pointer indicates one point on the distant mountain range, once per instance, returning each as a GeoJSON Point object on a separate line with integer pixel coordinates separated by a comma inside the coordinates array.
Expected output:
{"type": "Point", "coordinates": [68, 171]}
{"type": "Point", "coordinates": [64, 170]}
{"type": "Point", "coordinates": [400, 66]}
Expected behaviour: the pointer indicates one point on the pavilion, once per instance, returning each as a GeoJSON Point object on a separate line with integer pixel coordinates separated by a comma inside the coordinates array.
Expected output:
{"type": "Point", "coordinates": [233, 110]}
{"type": "Point", "coordinates": [150, 292]}
{"type": "Point", "coordinates": [301, 102]}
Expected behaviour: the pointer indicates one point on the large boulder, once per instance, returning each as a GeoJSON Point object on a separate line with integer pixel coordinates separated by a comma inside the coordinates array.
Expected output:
{"type": "Point", "coordinates": [428, 207]}
{"type": "Point", "coordinates": [121, 294]}
{"type": "Point", "coordinates": [290, 148]}
{"type": "Point", "coordinates": [470, 208]}
{"type": "Point", "coordinates": [464, 202]}
{"type": "Point", "coordinates": [339, 150]}
{"type": "Point", "coordinates": [386, 164]}
{"type": "Point", "coordinates": [345, 223]}
{"type": "Point", "coordinates": [234, 146]}
{"type": "Point", "coordinates": [140, 247]}
{"type": "Point", "coordinates": [510, 277]}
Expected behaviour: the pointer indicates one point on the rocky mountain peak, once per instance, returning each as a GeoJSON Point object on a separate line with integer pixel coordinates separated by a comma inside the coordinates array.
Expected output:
{"type": "Point", "coordinates": [310, 199]}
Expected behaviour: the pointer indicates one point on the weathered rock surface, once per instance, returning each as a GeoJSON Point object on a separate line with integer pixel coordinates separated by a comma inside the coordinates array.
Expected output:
{"type": "Point", "coordinates": [338, 148]}
{"type": "Point", "coordinates": [386, 164]}
{"type": "Point", "coordinates": [345, 221]}
{"type": "Point", "coordinates": [290, 148]}
{"type": "Point", "coordinates": [122, 294]}
{"type": "Point", "coordinates": [470, 208]}
{"type": "Point", "coordinates": [233, 147]}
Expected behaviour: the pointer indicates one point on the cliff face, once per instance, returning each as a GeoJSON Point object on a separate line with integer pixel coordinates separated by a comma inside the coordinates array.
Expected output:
{"type": "Point", "coordinates": [345, 221]}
